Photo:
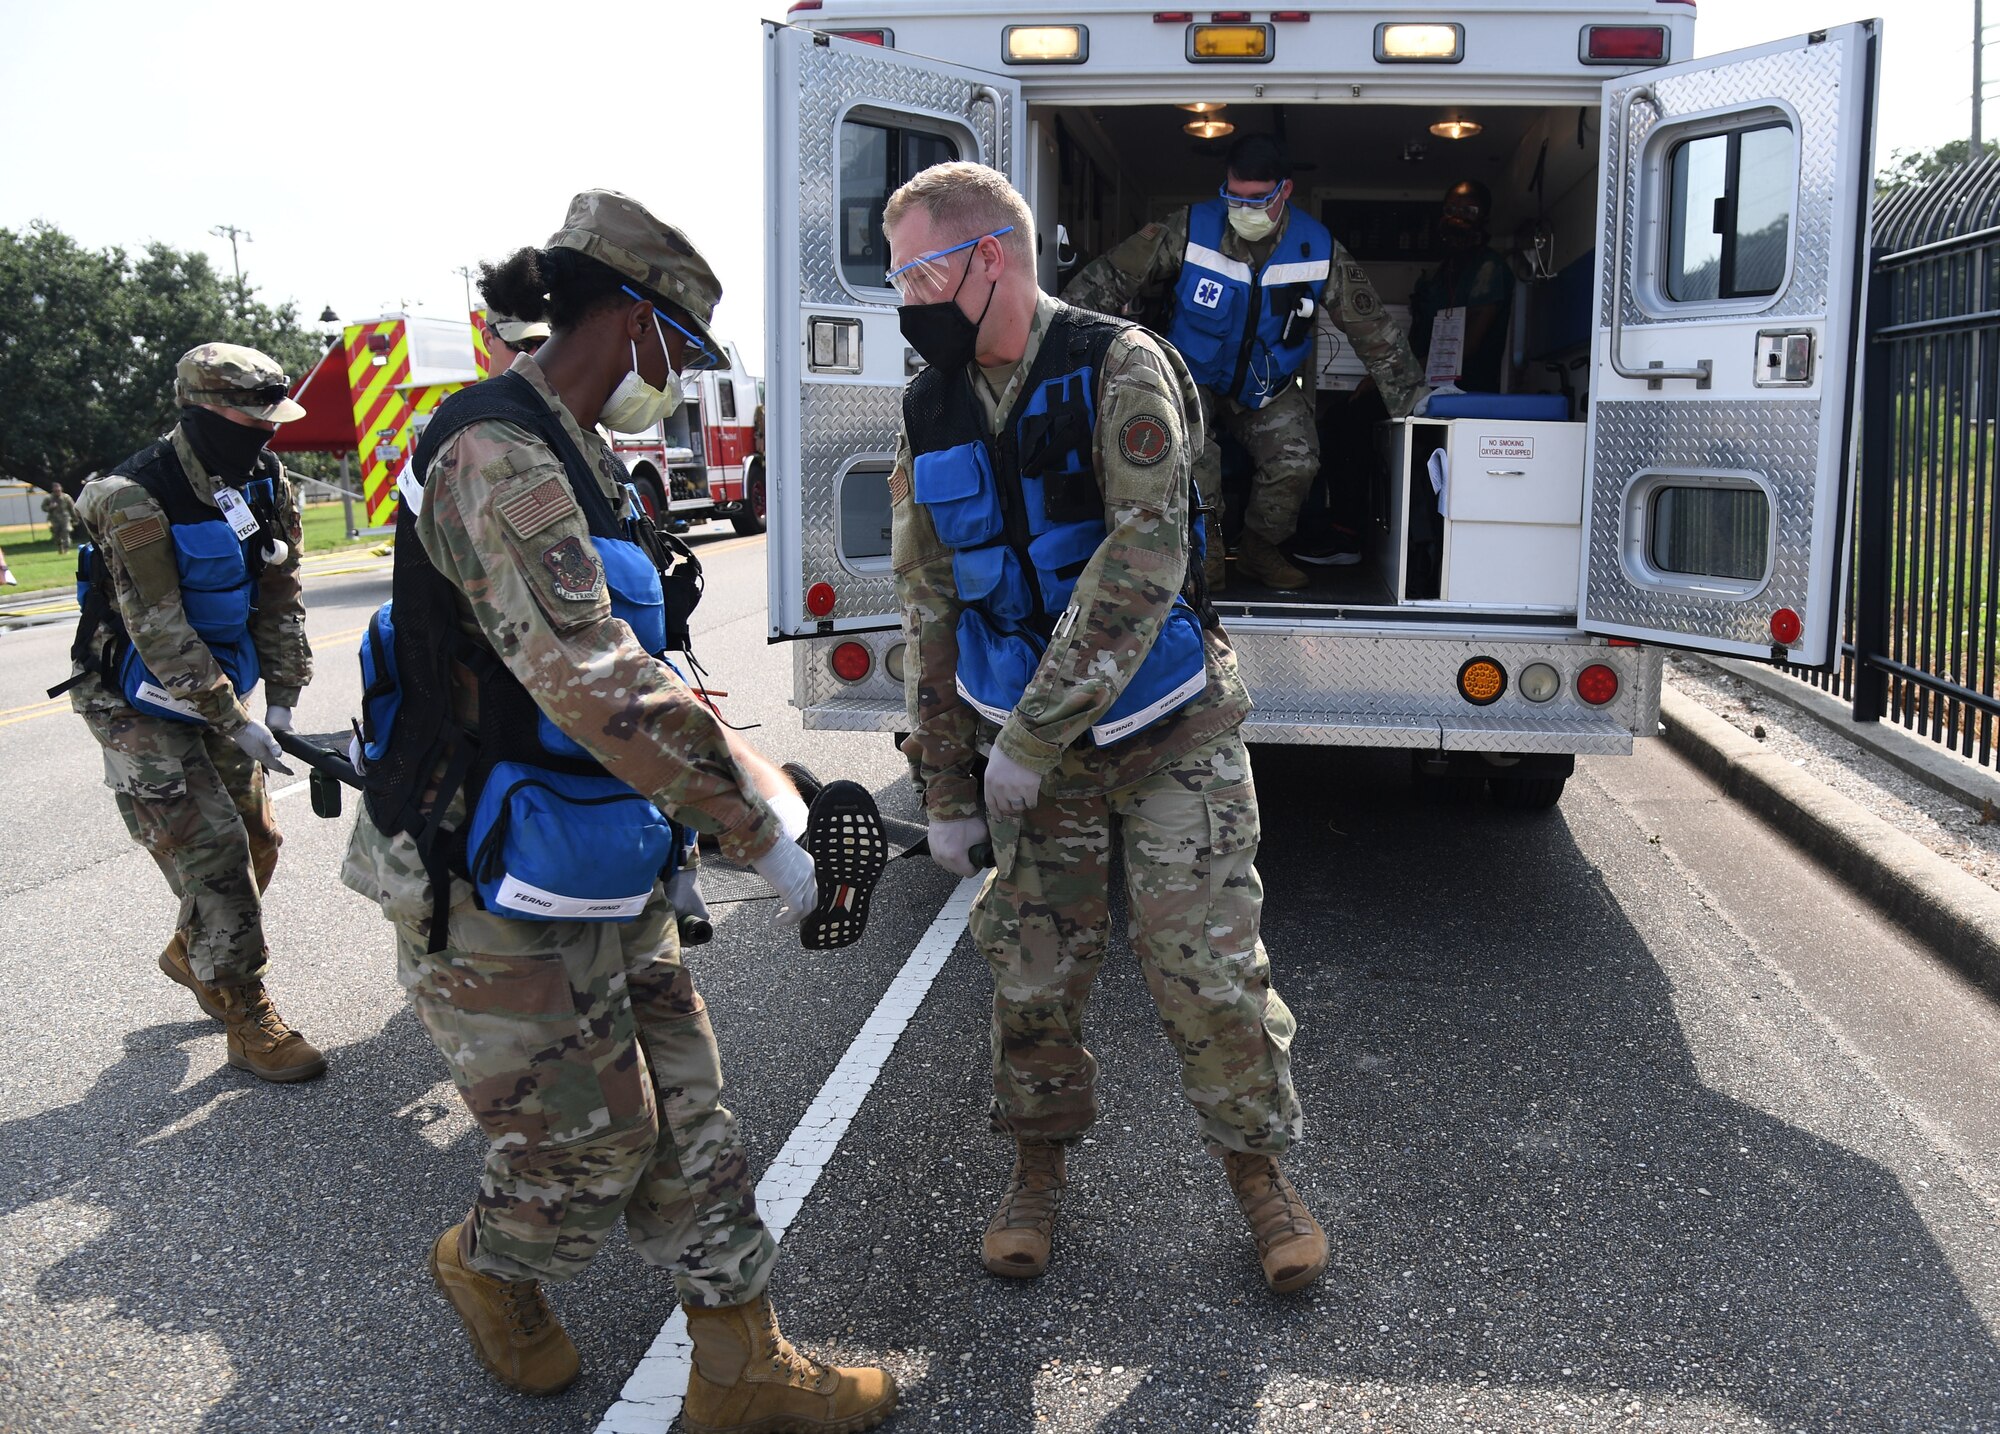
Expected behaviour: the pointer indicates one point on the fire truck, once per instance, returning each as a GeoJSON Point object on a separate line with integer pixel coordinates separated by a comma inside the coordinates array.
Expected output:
{"type": "Point", "coordinates": [1666, 466]}
{"type": "Point", "coordinates": [374, 391]}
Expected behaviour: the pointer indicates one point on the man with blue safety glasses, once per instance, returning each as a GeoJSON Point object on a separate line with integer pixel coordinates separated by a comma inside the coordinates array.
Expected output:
{"type": "Point", "coordinates": [1242, 279]}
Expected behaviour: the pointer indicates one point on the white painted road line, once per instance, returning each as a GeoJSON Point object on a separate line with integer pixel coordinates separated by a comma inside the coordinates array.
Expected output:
{"type": "Point", "coordinates": [652, 1396]}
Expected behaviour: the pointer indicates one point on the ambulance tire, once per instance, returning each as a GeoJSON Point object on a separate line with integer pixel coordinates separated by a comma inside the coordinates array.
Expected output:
{"type": "Point", "coordinates": [750, 520]}
{"type": "Point", "coordinates": [1526, 794]}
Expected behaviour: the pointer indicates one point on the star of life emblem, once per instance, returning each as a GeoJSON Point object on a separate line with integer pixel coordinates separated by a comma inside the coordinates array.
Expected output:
{"type": "Point", "coordinates": [1208, 293]}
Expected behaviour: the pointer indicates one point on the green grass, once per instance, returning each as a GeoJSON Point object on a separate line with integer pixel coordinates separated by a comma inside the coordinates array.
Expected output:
{"type": "Point", "coordinates": [38, 565]}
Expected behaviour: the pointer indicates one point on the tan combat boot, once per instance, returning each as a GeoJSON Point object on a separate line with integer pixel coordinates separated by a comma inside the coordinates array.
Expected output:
{"type": "Point", "coordinates": [514, 1332]}
{"type": "Point", "coordinates": [174, 962]}
{"type": "Point", "coordinates": [747, 1377]}
{"type": "Point", "coordinates": [259, 1040]}
{"type": "Point", "coordinates": [1021, 1230]}
{"type": "Point", "coordinates": [1259, 559]}
{"type": "Point", "coordinates": [1289, 1241]}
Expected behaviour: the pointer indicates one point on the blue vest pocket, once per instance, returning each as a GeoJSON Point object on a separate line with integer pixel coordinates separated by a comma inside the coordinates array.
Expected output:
{"type": "Point", "coordinates": [994, 666]}
{"type": "Point", "coordinates": [637, 598]}
{"type": "Point", "coordinates": [146, 693]}
{"type": "Point", "coordinates": [956, 485]}
{"type": "Point", "coordinates": [548, 846]}
{"type": "Point", "coordinates": [1174, 673]}
{"type": "Point", "coordinates": [381, 690]}
{"type": "Point", "coordinates": [1060, 556]}
{"type": "Point", "coordinates": [992, 579]}
{"type": "Point", "coordinates": [1208, 325]}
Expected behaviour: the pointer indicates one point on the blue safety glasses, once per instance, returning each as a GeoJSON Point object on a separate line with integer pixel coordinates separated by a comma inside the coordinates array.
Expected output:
{"type": "Point", "coordinates": [929, 267]}
{"type": "Point", "coordinates": [1254, 201]}
{"type": "Point", "coordinates": [699, 356]}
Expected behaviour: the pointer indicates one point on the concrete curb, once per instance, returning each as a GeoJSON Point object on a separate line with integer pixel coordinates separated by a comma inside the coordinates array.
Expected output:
{"type": "Point", "coordinates": [1956, 914]}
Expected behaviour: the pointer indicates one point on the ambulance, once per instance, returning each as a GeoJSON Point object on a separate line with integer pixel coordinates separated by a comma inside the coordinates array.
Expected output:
{"type": "Point", "coordinates": [1667, 465]}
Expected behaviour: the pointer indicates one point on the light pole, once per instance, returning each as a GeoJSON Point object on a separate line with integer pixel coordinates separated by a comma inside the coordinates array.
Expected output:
{"type": "Point", "coordinates": [232, 234]}
{"type": "Point", "coordinates": [464, 271]}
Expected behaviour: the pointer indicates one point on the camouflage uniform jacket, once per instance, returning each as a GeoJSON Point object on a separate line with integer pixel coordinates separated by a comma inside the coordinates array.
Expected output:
{"type": "Point", "coordinates": [501, 523]}
{"type": "Point", "coordinates": [1121, 601]}
{"type": "Point", "coordinates": [1136, 280]}
{"type": "Point", "coordinates": [138, 547]}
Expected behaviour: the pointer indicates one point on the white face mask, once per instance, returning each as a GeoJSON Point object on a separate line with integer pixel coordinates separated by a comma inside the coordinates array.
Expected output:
{"type": "Point", "coordinates": [1252, 224]}
{"type": "Point", "coordinates": [635, 405]}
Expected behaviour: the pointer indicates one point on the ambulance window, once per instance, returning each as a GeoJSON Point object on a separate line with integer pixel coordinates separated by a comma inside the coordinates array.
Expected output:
{"type": "Point", "coordinates": [875, 159]}
{"type": "Point", "coordinates": [1730, 214]}
{"type": "Point", "coordinates": [865, 516]}
{"type": "Point", "coordinates": [1708, 530]}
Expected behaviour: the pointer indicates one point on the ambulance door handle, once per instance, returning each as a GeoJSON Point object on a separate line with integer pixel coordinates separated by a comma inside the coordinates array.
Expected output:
{"type": "Point", "coordinates": [1654, 373]}
{"type": "Point", "coordinates": [1506, 473]}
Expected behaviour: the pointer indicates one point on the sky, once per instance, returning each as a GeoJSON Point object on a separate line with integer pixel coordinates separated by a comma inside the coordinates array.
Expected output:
{"type": "Point", "coordinates": [369, 159]}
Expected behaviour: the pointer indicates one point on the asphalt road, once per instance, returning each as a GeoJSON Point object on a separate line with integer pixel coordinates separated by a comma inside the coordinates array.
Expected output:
{"type": "Point", "coordinates": [1622, 1117]}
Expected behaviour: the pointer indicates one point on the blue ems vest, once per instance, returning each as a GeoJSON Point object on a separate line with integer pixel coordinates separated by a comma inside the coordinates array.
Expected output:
{"type": "Point", "coordinates": [549, 834]}
{"type": "Point", "coordinates": [1023, 514]}
{"type": "Point", "coordinates": [1230, 320]}
{"type": "Point", "coordinates": [218, 583]}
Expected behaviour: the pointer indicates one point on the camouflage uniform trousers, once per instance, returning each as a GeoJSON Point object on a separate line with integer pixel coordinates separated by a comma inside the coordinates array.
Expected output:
{"type": "Point", "coordinates": [1281, 439]}
{"type": "Point", "coordinates": [1188, 836]}
{"type": "Point", "coordinates": [200, 807]}
{"type": "Point", "coordinates": [585, 1054]}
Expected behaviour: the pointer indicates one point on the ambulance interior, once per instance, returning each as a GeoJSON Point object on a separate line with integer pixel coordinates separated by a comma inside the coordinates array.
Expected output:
{"type": "Point", "coordinates": [1376, 176]}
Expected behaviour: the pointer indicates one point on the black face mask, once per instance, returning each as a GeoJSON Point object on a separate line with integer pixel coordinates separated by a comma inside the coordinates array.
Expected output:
{"type": "Point", "coordinates": [940, 332]}
{"type": "Point", "coordinates": [228, 450]}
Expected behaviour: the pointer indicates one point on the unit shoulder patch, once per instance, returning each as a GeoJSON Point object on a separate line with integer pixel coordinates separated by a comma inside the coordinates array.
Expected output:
{"type": "Point", "coordinates": [530, 512]}
{"type": "Point", "coordinates": [1144, 440]}
{"type": "Point", "coordinates": [576, 573]}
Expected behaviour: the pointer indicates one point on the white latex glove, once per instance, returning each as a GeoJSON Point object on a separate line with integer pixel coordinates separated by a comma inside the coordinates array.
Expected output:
{"type": "Point", "coordinates": [355, 758]}
{"type": "Point", "coordinates": [1010, 787]}
{"type": "Point", "coordinates": [789, 868]}
{"type": "Point", "coordinates": [254, 739]}
{"type": "Point", "coordinates": [278, 719]}
{"type": "Point", "coordinates": [952, 843]}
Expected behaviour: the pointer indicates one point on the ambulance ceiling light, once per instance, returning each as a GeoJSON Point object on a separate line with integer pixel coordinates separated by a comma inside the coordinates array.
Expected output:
{"type": "Point", "coordinates": [1204, 107]}
{"type": "Point", "coordinates": [1209, 128]}
{"type": "Point", "coordinates": [1456, 128]}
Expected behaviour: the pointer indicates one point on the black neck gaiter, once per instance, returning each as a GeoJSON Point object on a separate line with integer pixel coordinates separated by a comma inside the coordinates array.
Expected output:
{"type": "Point", "coordinates": [228, 450]}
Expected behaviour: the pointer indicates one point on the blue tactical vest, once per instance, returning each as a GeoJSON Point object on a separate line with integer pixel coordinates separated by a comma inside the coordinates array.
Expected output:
{"type": "Point", "coordinates": [1230, 319]}
{"type": "Point", "coordinates": [218, 582]}
{"type": "Point", "coordinates": [549, 834]}
{"type": "Point", "coordinates": [1023, 514]}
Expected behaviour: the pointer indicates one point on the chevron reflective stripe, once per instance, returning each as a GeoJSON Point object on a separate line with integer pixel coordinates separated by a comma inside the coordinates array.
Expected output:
{"type": "Point", "coordinates": [1216, 262]}
{"type": "Point", "coordinates": [482, 356]}
{"type": "Point", "coordinates": [1311, 271]}
{"type": "Point", "coordinates": [381, 412]}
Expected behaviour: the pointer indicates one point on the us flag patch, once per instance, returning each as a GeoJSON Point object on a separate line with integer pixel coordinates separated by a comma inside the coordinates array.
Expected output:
{"type": "Point", "coordinates": [530, 512]}
{"type": "Point", "coordinates": [138, 533]}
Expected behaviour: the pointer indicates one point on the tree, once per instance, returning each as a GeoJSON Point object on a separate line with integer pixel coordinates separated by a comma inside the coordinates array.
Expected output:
{"type": "Point", "coordinates": [1921, 166]}
{"type": "Point", "coordinates": [89, 340]}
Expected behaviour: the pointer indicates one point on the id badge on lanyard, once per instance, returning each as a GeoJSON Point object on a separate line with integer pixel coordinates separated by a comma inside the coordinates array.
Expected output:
{"type": "Point", "coordinates": [242, 522]}
{"type": "Point", "coordinates": [1447, 354]}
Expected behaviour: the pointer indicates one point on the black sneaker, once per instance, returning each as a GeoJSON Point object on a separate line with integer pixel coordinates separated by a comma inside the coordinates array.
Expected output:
{"type": "Point", "coordinates": [809, 786]}
{"type": "Point", "coordinates": [1338, 549]}
{"type": "Point", "coordinates": [849, 851]}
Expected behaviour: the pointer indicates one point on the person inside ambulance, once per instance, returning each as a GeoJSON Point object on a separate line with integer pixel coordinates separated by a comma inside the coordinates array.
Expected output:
{"type": "Point", "coordinates": [1460, 308]}
{"type": "Point", "coordinates": [1243, 277]}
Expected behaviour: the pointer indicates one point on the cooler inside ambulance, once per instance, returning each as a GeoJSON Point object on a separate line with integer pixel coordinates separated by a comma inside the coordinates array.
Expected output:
{"type": "Point", "coordinates": [1666, 459]}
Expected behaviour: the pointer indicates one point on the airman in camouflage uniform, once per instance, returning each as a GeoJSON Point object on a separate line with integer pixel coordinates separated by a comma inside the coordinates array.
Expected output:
{"type": "Point", "coordinates": [1175, 799]}
{"type": "Point", "coordinates": [1138, 279]}
{"type": "Point", "coordinates": [192, 793]}
{"type": "Point", "coordinates": [582, 1048]}
{"type": "Point", "coordinates": [61, 511]}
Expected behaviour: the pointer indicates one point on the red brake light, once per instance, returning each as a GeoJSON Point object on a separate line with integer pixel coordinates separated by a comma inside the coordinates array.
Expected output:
{"type": "Point", "coordinates": [1786, 626]}
{"type": "Point", "coordinates": [1294, 15]}
{"type": "Point", "coordinates": [866, 37]}
{"type": "Point", "coordinates": [1173, 17]}
{"type": "Point", "coordinates": [798, 5]}
{"type": "Point", "coordinates": [1597, 684]}
{"type": "Point", "coordinates": [1623, 44]}
{"type": "Point", "coordinates": [1231, 17]}
{"type": "Point", "coordinates": [819, 599]}
{"type": "Point", "coordinates": [851, 662]}
{"type": "Point", "coordinates": [1619, 642]}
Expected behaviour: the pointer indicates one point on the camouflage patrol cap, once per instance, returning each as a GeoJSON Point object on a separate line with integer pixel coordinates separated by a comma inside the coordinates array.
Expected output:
{"type": "Point", "coordinates": [515, 332]}
{"type": "Point", "coordinates": [232, 376]}
{"type": "Point", "coordinates": [621, 233]}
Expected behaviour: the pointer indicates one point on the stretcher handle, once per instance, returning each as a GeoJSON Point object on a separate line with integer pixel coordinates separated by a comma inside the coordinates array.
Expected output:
{"type": "Point", "coordinates": [320, 759]}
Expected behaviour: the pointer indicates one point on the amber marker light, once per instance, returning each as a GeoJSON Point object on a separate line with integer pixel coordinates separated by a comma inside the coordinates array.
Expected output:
{"type": "Point", "coordinates": [1481, 681]}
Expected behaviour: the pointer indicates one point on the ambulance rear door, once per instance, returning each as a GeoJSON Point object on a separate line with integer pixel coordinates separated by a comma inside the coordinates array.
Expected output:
{"type": "Point", "coordinates": [848, 123]}
{"type": "Point", "coordinates": [1731, 272]}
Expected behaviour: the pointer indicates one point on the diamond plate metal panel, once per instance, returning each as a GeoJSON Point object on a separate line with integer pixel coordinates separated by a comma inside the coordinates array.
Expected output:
{"type": "Point", "coordinates": [1338, 689]}
{"type": "Point", "coordinates": [834, 78]}
{"type": "Point", "coordinates": [1806, 78]}
{"type": "Point", "coordinates": [839, 422]}
{"type": "Point", "coordinates": [1779, 439]}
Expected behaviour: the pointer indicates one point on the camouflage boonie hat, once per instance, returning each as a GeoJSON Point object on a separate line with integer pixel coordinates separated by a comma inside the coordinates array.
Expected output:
{"type": "Point", "coordinates": [232, 376]}
{"type": "Point", "coordinates": [513, 331]}
{"type": "Point", "coordinates": [622, 233]}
